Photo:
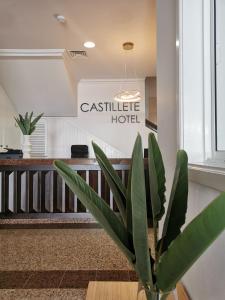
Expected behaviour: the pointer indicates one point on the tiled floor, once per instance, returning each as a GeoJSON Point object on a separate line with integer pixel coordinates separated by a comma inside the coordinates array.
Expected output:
{"type": "Point", "coordinates": [60, 279]}
{"type": "Point", "coordinates": [59, 249]}
{"type": "Point", "coordinates": [43, 294]}
{"type": "Point", "coordinates": [48, 223]}
{"type": "Point", "coordinates": [57, 263]}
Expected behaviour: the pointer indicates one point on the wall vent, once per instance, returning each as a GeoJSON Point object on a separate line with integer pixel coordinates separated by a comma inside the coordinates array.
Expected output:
{"type": "Point", "coordinates": [74, 54]}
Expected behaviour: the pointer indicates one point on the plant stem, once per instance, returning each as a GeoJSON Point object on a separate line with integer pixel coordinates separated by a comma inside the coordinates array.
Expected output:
{"type": "Point", "coordinates": [164, 296]}
{"type": "Point", "coordinates": [151, 295]}
{"type": "Point", "coordinates": [155, 228]}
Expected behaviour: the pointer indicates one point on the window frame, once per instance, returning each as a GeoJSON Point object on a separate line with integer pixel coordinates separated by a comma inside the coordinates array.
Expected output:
{"type": "Point", "coordinates": [217, 155]}
{"type": "Point", "coordinates": [209, 154]}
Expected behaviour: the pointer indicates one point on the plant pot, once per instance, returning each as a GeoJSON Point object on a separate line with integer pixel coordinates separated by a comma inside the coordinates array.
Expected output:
{"type": "Point", "coordinates": [26, 146]}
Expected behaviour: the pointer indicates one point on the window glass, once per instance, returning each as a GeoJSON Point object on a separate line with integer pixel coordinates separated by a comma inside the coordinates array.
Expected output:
{"type": "Point", "coordinates": [220, 73]}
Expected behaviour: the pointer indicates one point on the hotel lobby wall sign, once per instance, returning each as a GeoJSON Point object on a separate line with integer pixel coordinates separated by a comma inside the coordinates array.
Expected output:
{"type": "Point", "coordinates": [96, 102]}
{"type": "Point", "coordinates": [119, 112]}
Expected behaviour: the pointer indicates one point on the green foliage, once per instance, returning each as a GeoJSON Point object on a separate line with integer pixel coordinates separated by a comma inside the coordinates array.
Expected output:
{"type": "Point", "coordinates": [26, 124]}
{"type": "Point", "coordinates": [128, 202]}
{"type": "Point", "coordinates": [157, 178]}
{"type": "Point", "coordinates": [113, 179]}
{"type": "Point", "coordinates": [176, 251]}
{"type": "Point", "coordinates": [190, 244]}
{"type": "Point", "coordinates": [139, 218]}
{"type": "Point", "coordinates": [177, 206]}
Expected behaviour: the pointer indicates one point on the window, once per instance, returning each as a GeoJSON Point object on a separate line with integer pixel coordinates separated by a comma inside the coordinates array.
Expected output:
{"type": "Point", "coordinates": [201, 56]}
{"type": "Point", "coordinates": [219, 64]}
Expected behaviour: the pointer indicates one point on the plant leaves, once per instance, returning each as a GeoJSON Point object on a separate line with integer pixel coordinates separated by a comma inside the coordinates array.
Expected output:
{"type": "Point", "coordinates": [20, 124]}
{"type": "Point", "coordinates": [156, 178]}
{"type": "Point", "coordinates": [148, 199]}
{"type": "Point", "coordinates": [26, 124]}
{"type": "Point", "coordinates": [31, 115]}
{"type": "Point", "coordinates": [139, 216]}
{"type": "Point", "coordinates": [191, 244]}
{"type": "Point", "coordinates": [35, 120]}
{"type": "Point", "coordinates": [177, 207]}
{"type": "Point", "coordinates": [113, 179]}
{"type": "Point", "coordinates": [128, 204]}
{"type": "Point", "coordinates": [98, 207]}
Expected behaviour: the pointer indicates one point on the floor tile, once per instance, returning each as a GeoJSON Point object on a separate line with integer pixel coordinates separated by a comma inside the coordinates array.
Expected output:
{"type": "Point", "coordinates": [133, 276]}
{"type": "Point", "coordinates": [59, 249]}
{"type": "Point", "coordinates": [77, 279]}
{"type": "Point", "coordinates": [47, 279]}
{"type": "Point", "coordinates": [44, 294]}
{"type": "Point", "coordinates": [112, 275]}
{"type": "Point", "coordinates": [13, 280]}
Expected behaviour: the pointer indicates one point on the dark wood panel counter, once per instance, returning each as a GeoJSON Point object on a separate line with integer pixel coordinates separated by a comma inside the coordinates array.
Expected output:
{"type": "Point", "coordinates": [30, 186]}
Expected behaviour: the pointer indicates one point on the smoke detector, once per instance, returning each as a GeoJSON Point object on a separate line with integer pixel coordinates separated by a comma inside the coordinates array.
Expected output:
{"type": "Point", "coordinates": [60, 18]}
{"type": "Point", "coordinates": [74, 54]}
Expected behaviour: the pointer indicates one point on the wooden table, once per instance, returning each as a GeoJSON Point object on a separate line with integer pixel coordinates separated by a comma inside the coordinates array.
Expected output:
{"type": "Point", "coordinates": [101, 290]}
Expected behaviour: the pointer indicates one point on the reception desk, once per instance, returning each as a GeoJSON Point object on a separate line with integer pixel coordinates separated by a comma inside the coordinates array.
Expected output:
{"type": "Point", "coordinates": [32, 186]}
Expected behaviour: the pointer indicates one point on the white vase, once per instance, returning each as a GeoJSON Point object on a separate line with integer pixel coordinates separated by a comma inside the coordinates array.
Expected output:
{"type": "Point", "coordinates": [26, 147]}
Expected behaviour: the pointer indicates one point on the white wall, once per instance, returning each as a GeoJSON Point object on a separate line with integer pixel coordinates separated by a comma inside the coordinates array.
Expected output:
{"type": "Point", "coordinates": [64, 132]}
{"type": "Point", "coordinates": [9, 134]}
{"type": "Point", "coordinates": [40, 84]}
{"type": "Point", "coordinates": [98, 125]}
{"type": "Point", "coordinates": [166, 83]}
{"type": "Point", "coordinates": [205, 280]}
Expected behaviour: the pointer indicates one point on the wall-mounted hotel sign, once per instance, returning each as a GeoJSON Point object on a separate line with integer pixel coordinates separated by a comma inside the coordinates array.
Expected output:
{"type": "Point", "coordinates": [119, 112]}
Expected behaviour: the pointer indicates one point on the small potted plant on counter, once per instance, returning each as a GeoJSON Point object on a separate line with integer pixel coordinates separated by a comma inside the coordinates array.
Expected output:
{"type": "Point", "coordinates": [159, 266]}
{"type": "Point", "coordinates": [27, 125]}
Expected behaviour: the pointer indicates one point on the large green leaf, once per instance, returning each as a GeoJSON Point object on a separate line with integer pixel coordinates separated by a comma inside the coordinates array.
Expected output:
{"type": "Point", "coordinates": [20, 124]}
{"type": "Point", "coordinates": [156, 178]}
{"type": "Point", "coordinates": [35, 120]}
{"type": "Point", "coordinates": [139, 216]}
{"type": "Point", "coordinates": [27, 123]}
{"type": "Point", "coordinates": [177, 207]}
{"type": "Point", "coordinates": [128, 203]}
{"type": "Point", "coordinates": [190, 244]}
{"type": "Point", "coordinates": [30, 117]}
{"type": "Point", "coordinates": [98, 207]}
{"type": "Point", "coordinates": [113, 179]}
{"type": "Point", "coordinates": [148, 198]}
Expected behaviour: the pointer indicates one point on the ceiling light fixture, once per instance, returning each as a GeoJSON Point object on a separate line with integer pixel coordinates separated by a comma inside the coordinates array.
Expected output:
{"type": "Point", "coordinates": [127, 95]}
{"type": "Point", "coordinates": [89, 44]}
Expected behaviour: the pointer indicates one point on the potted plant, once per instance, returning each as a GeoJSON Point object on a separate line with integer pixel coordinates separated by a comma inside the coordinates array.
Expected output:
{"type": "Point", "coordinates": [27, 125]}
{"type": "Point", "coordinates": [160, 267]}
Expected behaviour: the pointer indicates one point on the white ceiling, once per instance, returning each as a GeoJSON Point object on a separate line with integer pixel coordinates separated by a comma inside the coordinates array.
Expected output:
{"type": "Point", "coordinates": [29, 24]}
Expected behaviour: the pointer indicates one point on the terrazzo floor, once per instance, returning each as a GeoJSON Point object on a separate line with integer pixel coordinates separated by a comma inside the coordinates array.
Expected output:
{"type": "Point", "coordinates": [59, 249]}
{"type": "Point", "coordinates": [37, 294]}
{"type": "Point", "coordinates": [57, 263]}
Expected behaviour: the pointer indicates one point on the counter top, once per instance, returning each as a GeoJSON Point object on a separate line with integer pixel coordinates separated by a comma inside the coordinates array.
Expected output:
{"type": "Point", "coordinates": [49, 161]}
